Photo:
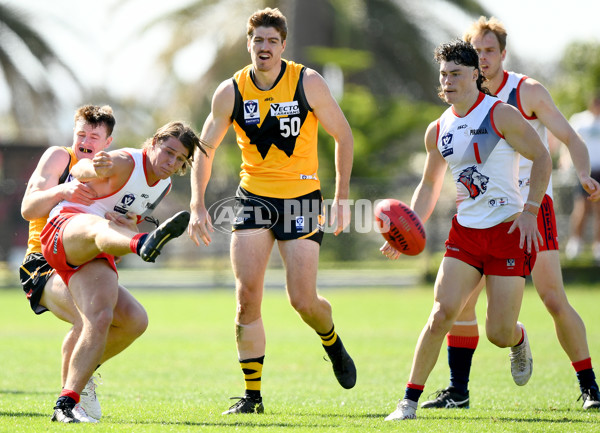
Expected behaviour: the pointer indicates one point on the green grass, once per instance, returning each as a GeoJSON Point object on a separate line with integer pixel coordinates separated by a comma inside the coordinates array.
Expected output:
{"type": "Point", "coordinates": [179, 375]}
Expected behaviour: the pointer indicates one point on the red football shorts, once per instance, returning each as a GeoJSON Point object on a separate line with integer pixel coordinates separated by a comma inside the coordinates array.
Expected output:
{"type": "Point", "coordinates": [493, 251]}
{"type": "Point", "coordinates": [547, 224]}
{"type": "Point", "coordinates": [54, 250]}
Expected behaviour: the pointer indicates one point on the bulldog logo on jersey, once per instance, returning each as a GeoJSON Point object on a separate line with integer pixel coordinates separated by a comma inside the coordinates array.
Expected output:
{"type": "Point", "coordinates": [251, 112]}
{"type": "Point", "coordinates": [125, 203]}
{"type": "Point", "coordinates": [447, 149]}
{"type": "Point", "coordinates": [473, 181]}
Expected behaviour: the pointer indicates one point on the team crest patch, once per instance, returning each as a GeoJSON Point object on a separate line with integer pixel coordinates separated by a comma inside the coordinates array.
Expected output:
{"type": "Point", "coordinates": [474, 182]}
{"type": "Point", "coordinates": [446, 142]}
{"type": "Point", "coordinates": [251, 112]}
{"type": "Point", "coordinates": [125, 203]}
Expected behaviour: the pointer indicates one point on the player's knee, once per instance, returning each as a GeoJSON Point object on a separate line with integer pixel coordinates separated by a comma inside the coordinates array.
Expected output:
{"type": "Point", "coordinates": [501, 337]}
{"type": "Point", "coordinates": [101, 319]}
{"type": "Point", "coordinates": [441, 319]}
{"type": "Point", "coordinates": [555, 303]}
{"type": "Point", "coordinates": [301, 306]}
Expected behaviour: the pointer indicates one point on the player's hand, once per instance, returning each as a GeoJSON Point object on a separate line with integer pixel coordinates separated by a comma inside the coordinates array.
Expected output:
{"type": "Point", "coordinates": [78, 193]}
{"type": "Point", "coordinates": [102, 163]}
{"type": "Point", "coordinates": [129, 220]}
{"type": "Point", "coordinates": [340, 216]}
{"type": "Point", "coordinates": [389, 251]}
{"type": "Point", "coordinates": [528, 229]}
{"type": "Point", "coordinates": [200, 227]}
{"type": "Point", "coordinates": [592, 187]}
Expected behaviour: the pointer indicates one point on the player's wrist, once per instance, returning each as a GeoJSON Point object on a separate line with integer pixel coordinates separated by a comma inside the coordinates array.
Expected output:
{"type": "Point", "coordinates": [532, 207]}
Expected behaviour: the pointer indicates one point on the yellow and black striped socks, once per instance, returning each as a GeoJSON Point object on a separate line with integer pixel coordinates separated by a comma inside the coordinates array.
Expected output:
{"type": "Point", "coordinates": [252, 369]}
{"type": "Point", "coordinates": [330, 340]}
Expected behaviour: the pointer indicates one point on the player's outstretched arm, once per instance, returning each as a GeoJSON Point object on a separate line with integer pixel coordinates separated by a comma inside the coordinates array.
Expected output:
{"type": "Point", "coordinates": [538, 101]}
{"type": "Point", "coordinates": [214, 129]}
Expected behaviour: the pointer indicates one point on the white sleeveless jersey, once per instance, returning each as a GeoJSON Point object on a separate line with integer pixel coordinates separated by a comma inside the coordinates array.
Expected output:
{"type": "Point", "coordinates": [509, 93]}
{"type": "Point", "coordinates": [484, 166]}
{"type": "Point", "coordinates": [135, 196]}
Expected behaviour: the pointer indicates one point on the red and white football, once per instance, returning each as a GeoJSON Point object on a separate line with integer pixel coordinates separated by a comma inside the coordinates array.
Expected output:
{"type": "Point", "coordinates": [400, 226]}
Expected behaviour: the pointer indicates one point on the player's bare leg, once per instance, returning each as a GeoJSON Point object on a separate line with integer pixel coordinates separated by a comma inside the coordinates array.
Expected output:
{"type": "Point", "coordinates": [505, 295]}
{"type": "Point", "coordinates": [462, 340]}
{"type": "Point", "coordinates": [454, 283]}
{"type": "Point", "coordinates": [301, 261]}
{"type": "Point", "coordinates": [250, 255]}
{"type": "Point", "coordinates": [570, 329]}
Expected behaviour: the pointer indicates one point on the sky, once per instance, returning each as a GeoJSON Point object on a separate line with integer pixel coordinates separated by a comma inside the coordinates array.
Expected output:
{"type": "Point", "coordinates": [107, 54]}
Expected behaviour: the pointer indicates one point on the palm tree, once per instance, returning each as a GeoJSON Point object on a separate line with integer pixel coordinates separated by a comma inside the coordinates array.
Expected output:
{"type": "Point", "coordinates": [383, 44]}
{"type": "Point", "coordinates": [26, 62]}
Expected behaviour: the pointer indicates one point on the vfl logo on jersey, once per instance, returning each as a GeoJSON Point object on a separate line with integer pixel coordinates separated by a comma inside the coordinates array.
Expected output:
{"type": "Point", "coordinates": [126, 202]}
{"type": "Point", "coordinates": [446, 148]}
{"type": "Point", "coordinates": [300, 223]}
{"type": "Point", "coordinates": [285, 109]}
{"type": "Point", "coordinates": [498, 201]}
{"type": "Point", "coordinates": [473, 181]}
{"type": "Point", "coordinates": [510, 263]}
{"type": "Point", "coordinates": [251, 112]}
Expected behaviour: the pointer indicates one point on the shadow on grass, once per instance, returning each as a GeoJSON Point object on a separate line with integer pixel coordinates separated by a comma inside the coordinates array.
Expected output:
{"type": "Point", "coordinates": [25, 414]}
{"type": "Point", "coordinates": [248, 423]}
{"type": "Point", "coordinates": [28, 392]}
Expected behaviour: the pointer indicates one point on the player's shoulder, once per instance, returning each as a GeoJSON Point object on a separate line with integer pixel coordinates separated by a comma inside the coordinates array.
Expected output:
{"type": "Point", "coordinates": [531, 89]}
{"type": "Point", "coordinates": [57, 156]}
{"type": "Point", "coordinates": [314, 84]}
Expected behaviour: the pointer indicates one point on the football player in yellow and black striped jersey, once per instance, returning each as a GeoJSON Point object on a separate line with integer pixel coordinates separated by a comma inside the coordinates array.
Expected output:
{"type": "Point", "coordinates": [275, 106]}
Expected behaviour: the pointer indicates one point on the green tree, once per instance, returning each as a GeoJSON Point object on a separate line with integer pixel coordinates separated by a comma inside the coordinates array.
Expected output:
{"type": "Point", "coordinates": [579, 76]}
{"type": "Point", "coordinates": [33, 99]}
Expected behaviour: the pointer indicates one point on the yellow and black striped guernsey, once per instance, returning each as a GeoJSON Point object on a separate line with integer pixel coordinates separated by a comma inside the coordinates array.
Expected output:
{"type": "Point", "coordinates": [35, 226]}
{"type": "Point", "coordinates": [277, 133]}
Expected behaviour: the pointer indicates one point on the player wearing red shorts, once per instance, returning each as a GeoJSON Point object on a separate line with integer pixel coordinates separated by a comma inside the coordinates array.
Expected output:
{"type": "Point", "coordinates": [480, 139]}
{"type": "Point", "coordinates": [536, 105]}
{"type": "Point", "coordinates": [46, 291]}
{"type": "Point", "coordinates": [80, 241]}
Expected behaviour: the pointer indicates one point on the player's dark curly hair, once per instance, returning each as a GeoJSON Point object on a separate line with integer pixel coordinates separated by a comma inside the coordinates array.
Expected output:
{"type": "Point", "coordinates": [461, 53]}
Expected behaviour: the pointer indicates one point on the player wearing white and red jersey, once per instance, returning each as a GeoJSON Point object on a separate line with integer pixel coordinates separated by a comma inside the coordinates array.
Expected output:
{"type": "Point", "coordinates": [483, 164]}
{"type": "Point", "coordinates": [536, 105]}
{"type": "Point", "coordinates": [478, 137]}
{"type": "Point", "coordinates": [45, 290]}
{"type": "Point", "coordinates": [80, 243]}
{"type": "Point", "coordinates": [134, 196]}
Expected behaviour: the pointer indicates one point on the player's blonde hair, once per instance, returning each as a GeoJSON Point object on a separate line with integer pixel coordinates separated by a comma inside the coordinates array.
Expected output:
{"type": "Point", "coordinates": [483, 26]}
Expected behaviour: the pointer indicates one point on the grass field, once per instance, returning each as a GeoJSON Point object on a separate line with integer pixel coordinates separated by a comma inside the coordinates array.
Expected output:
{"type": "Point", "coordinates": [179, 375]}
